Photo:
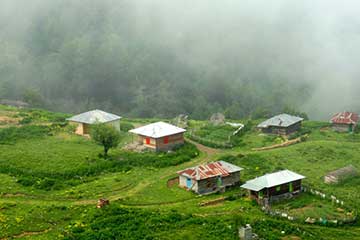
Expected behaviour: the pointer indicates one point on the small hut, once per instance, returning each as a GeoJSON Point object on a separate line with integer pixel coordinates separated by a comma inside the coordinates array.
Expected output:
{"type": "Point", "coordinates": [283, 124]}
{"type": "Point", "coordinates": [84, 121]}
{"type": "Point", "coordinates": [274, 186]}
{"type": "Point", "coordinates": [344, 121]}
{"type": "Point", "coordinates": [217, 119]}
{"type": "Point", "coordinates": [341, 174]}
{"type": "Point", "coordinates": [160, 136]}
{"type": "Point", "coordinates": [209, 178]}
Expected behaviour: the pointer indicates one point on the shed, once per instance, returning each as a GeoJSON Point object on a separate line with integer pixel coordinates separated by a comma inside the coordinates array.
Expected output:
{"type": "Point", "coordinates": [85, 120]}
{"type": "Point", "coordinates": [160, 136]}
{"type": "Point", "coordinates": [209, 178]}
{"type": "Point", "coordinates": [344, 121]}
{"type": "Point", "coordinates": [283, 124]}
{"type": "Point", "coordinates": [274, 186]}
{"type": "Point", "coordinates": [341, 174]}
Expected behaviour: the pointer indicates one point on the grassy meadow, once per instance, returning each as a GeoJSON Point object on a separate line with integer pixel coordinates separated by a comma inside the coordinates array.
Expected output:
{"type": "Point", "coordinates": [51, 182]}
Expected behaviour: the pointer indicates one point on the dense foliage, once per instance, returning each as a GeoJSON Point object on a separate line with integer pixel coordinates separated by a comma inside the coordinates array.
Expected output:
{"type": "Point", "coordinates": [106, 136]}
{"type": "Point", "coordinates": [13, 134]}
{"type": "Point", "coordinates": [114, 222]}
{"type": "Point", "coordinates": [88, 54]}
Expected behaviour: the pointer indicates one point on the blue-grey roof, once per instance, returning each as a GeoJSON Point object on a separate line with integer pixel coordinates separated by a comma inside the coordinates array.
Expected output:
{"type": "Point", "coordinates": [272, 180]}
{"type": "Point", "coordinates": [95, 116]}
{"type": "Point", "coordinates": [282, 120]}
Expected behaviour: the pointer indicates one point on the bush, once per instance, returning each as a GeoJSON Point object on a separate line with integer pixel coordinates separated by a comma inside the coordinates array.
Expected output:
{"type": "Point", "coordinates": [126, 126]}
{"type": "Point", "coordinates": [115, 222]}
{"type": "Point", "coordinates": [13, 134]}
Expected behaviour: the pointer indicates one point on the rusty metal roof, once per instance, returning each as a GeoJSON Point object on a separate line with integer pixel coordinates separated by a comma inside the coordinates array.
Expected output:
{"type": "Point", "coordinates": [345, 118]}
{"type": "Point", "coordinates": [213, 169]}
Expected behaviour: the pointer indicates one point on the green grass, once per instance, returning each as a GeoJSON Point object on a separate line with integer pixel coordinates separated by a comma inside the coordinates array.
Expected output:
{"type": "Point", "coordinates": [136, 185]}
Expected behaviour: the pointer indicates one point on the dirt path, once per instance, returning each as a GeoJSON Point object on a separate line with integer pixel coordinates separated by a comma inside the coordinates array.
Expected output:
{"type": "Point", "coordinates": [207, 150]}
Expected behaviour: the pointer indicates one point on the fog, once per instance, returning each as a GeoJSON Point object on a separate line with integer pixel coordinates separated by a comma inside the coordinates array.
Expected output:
{"type": "Point", "coordinates": [309, 48]}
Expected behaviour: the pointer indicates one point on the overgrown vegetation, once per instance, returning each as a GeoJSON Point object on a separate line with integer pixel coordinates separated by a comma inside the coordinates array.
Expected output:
{"type": "Point", "coordinates": [106, 136]}
{"type": "Point", "coordinates": [114, 222]}
{"type": "Point", "coordinates": [13, 134]}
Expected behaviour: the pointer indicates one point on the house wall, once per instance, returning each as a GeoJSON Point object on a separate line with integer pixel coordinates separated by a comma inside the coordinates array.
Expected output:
{"type": "Point", "coordinates": [159, 143]}
{"type": "Point", "coordinates": [173, 141]}
{"type": "Point", "coordinates": [151, 146]}
{"type": "Point", "coordinates": [273, 192]}
{"type": "Point", "coordinates": [343, 127]}
{"type": "Point", "coordinates": [115, 124]}
{"type": "Point", "coordinates": [282, 130]}
{"type": "Point", "coordinates": [84, 129]}
{"type": "Point", "coordinates": [211, 184]}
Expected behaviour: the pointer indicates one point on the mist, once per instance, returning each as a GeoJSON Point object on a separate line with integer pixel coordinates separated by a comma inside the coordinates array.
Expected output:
{"type": "Point", "coordinates": [205, 56]}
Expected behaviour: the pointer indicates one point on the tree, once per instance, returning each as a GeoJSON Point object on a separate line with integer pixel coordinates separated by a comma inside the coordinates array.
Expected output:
{"type": "Point", "coordinates": [106, 136]}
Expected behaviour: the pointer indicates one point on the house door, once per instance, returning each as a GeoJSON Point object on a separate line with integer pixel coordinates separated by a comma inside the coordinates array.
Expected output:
{"type": "Point", "coordinates": [147, 140]}
{"type": "Point", "coordinates": [350, 128]}
{"type": "Point", "coordinates": [188, 183]}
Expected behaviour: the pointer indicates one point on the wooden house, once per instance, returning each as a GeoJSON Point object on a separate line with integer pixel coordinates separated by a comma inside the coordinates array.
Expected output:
{"type": "Point", "coordinates": [274, 186]}
{"type": "Point", "coordinates": [159, 136]}
{"type": "Point", "coordinates": [344, 121]}
{"type": "Point", "coordinates": [209, 178]}
{"type": "Point", "coordinates": [283, 124]}
{"type": "Point", "coordinates": [341, 174]}
{"type": "Point", "coordinates": [84, 121]}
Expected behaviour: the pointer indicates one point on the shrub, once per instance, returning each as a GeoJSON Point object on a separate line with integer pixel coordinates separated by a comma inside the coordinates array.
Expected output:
{"type": "Point", "coordinates": [13, 134]}
{"type": "Point", "coordinates": [126, 126]}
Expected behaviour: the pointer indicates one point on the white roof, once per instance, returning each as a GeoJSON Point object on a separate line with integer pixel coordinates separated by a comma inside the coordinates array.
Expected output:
{"type": "Point", "coordinates": [272, 180]}
{"type": "Point", "coordinates": [282, 120]}
{"type": "Point", "coordinates": [95, 116]}
{"type": "Point", "coordinates": [157, 130]}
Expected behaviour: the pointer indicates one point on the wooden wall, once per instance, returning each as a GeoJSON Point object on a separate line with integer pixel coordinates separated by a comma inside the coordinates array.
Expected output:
{"type": "Point", "coordinates": [282, 130]}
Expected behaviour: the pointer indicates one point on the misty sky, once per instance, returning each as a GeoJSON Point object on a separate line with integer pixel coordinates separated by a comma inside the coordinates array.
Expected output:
{"type": "Point", "coordinates": [317, 42]}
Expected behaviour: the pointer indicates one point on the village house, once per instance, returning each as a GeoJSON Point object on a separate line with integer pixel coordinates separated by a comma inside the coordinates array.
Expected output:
{"type": "Point", "coordinates": [159, 136]}
{"type": "Point", "coordinates": [344, 121]}
{"type": "Point", "coordinates": [209, 178]}
{"type": "Point", "coordinates": [84, 121]}
{"type": "Point", "coordinates": [341, 174]}
{"type": "Point", "coordinates": [274, 186]}
{"type": "Point", "coordinates": [283, 124]}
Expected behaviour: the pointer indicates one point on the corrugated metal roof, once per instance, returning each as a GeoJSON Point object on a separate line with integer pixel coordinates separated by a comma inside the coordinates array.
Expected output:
{"type": "Point", "coordinates": [220, 168]}
{"type": "Point", "coordinates": [282, 120]}
{"type": "Point", "coordinates": [158, 130]}
{"type": "Point", "coordinates": [345, 118]}
{"type": "Point", "coordinates": [272, 180]}
{"type": "Point", "coordinates": [95, 116]}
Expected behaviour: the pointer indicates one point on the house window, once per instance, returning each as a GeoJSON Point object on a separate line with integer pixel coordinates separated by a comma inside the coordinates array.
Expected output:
{"type": "Point", "coordinates": [166, 140]}
{"type": "Point", "coordinates": [147, 140]}
{"type": "Point", "coordinates": [278, 188]}
{"type": "Point", "coordinates": [291, 187]}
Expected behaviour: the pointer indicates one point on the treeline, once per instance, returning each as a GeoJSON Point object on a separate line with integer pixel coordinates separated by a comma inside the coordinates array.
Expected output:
{"type": "Point", "coordinates": [78, 55]}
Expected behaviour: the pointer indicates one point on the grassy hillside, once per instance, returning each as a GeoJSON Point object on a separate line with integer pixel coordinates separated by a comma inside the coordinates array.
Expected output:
{"type": "Point", "coordinates": [52, 180]}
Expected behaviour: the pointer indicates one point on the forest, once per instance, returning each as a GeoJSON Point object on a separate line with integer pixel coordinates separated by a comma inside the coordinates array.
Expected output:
{"type": "Point", "coordinates": [119, 56]}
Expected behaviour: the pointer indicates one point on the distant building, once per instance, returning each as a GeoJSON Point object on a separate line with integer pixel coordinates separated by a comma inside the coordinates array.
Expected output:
{"type": "Point", "coordinates": [344, 121]}
{"type": "Point", "coordinates": [274, 186]}
{"type": "Point", "coordinates": [341, 174]}
{"type": "Point", "coordinates": [283, 124]}
{"type": "Point", "coordinates": [209, 178]}
{"type": "Point", "coordinates": [85, 120]}
{"type": "Point", "coordinates": [160, 136]}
